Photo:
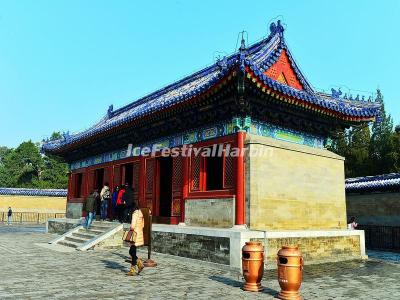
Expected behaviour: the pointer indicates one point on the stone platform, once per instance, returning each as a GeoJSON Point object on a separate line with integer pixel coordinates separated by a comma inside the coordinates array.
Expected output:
{"type": "Point", "coordinates": [31, 271]}
{"type": "Point", "coordinates": [223, 245]}
{"type": "Point", "coordinates": [62, 225]}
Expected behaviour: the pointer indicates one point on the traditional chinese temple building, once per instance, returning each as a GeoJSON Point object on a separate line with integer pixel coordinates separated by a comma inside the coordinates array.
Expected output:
{"type": "Point", "coordinates": [256, 99]}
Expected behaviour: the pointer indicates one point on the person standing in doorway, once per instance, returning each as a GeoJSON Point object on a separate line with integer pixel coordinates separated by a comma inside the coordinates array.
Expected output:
{"type": "Point", "coordinates": [352, 224]}
{"type": "Point", "coordinates": [114, 202]}
{"type": "Point", "coordinates": [90, 207]}
{"type": "Point", "coordinates": [104, 197]}
{"type": "Point", "coordinates": [137, 225]}
{"type": "Point", "coordinates": [120, 204]}
{"type": "Point", "coordinates": [9, 216]}
{"type": "Point", "coordinates": [128, 200]}
{"type": "Point", "coordinates": [98, 206]}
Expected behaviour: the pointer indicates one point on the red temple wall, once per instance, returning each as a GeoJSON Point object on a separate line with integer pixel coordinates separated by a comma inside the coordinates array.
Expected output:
{"type": "Point", "coordinates": [189, 179]}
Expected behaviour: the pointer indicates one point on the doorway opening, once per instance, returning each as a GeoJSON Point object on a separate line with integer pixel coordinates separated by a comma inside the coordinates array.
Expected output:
{"type": "Point", "coordinates": [214, 173]}
{"type": "Point", "coordinates": [165, 186]}
{"type": "Point", "coordinates": [99, 179]}
{"type": "Point", "coordinates": [78, 186]}
{"type": "Point", "coordinates": [128, 174]}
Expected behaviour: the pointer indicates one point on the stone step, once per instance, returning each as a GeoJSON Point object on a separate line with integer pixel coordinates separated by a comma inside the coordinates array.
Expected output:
{"type": "Point", "coordinates": [91, 231]}
{"type": "Point", "coordinates": [100, 227]}
{"type": "Point", "coordinates": [84, 235]}
{"type": "Point", "coordinates": [68, 244]}
{"type": "Point", "coordinates": [105, 223]}
{"type": "Point", "coordinates": [75, 240]}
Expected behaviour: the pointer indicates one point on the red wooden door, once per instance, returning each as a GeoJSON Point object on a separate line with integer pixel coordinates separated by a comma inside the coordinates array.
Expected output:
{"type": "Point", "coordinates": [177, 181]}
{"type": "Point", "coordinates": [90, 182]}
{"type": "Point", "coordinates": [70, 192]}
{"type": "Point", "coordinates": [135, 180]}
{"type": "Point", "coordinates": [195, 173]}
{"type": "Point", "coordinates": [81, 191]}
{"type": "Point", "coordinates": [150, 164]}
{"type": "Point", "coordinates": [107, 175]}
{"type": "Point", "coordinates": [229, 172]}
{"type": "Point", "coordinates": [123, 174]}
{"type": "Point", "coordinates": [116, 176]}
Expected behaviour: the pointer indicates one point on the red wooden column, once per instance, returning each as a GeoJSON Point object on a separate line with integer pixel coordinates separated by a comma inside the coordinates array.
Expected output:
{"type": "Point", "coordinates": [71, 186]}
{"type": "Point", "coordinates": [142, 181]}
{"type": "Point", "coordinates": [185, 185]}
{"type": "Point", "coordinates": [240, 213]}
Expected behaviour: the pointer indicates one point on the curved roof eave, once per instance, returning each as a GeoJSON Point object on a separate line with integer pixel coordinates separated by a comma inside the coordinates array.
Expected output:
{"type": "Point", "coordinates": [258, 57]}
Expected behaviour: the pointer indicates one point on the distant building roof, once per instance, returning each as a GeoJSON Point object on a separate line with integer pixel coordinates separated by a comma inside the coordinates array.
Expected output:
{"type": "Point", "coordinates": [34, 192]}
{"type": "Point", "coordinates": [385, 182]}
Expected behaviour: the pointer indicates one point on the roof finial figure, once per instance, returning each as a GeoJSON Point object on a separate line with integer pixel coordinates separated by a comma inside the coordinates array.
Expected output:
{"type": "Point", "coordinates": [110, 110]}
{"type": "Point", "coordinates": [66, 136]}
{"type": "Point", "coordinates": [336, 93]}
{"type": "Point", "coordinates": [242, 43]}
{"type": "Point", "coordinates": [276, 28]}
{"type": "Point", "coordinates": [222, 63]}
{"type": "Point", "coordinates": [242, 52]}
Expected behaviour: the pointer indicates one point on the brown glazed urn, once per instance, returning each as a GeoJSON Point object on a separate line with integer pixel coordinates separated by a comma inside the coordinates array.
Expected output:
{"type": "Point", "coordinates": [253, 266]}
{"type": "Point", "coordinates": [290, 269]}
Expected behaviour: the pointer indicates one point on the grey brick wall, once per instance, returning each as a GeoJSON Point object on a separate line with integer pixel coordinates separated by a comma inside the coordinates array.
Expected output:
{"type": "Point", "coordinates": [60, 226]}
{"type": "Point", "coordinates": [210, 212]}
{"type": "Point", "coordinates": [207, 248]}
{"type": "Point", "coordinates": [74, 210]}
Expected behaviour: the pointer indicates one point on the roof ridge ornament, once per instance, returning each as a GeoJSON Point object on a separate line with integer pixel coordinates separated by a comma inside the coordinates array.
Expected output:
{"type": "Point", "coordinates": [66, 136]}
{"type": "Point", "coordinates": [110, 111]}
{"type": "Point", "coordinates": [222, 63]}
{"type": "Point", "coordinates": [242, 52]}
{"type": "Point", "coordinates": [242, 43]}
{"type": "Point", "coordinates": [276, 28]}
{"type": "Point", "coordinates": [336, 93]}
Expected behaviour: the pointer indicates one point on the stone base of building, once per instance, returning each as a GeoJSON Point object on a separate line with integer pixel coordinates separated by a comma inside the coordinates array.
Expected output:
{"type": "Point", "coordinates": [317, 246]}
{"type": "Point", "coordinates": [74, 210]}
{"type": "Point", "coordinates": [62, 225]}
{"type": "Point", "coordinates": [224, 246]}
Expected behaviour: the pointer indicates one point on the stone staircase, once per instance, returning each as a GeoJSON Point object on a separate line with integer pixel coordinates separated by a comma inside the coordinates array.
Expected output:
{"type": "Point", "coordinates": [83, 239]}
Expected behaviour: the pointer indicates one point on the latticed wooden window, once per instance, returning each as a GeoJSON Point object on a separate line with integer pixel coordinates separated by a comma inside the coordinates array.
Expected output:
{"type": "Point", "coordinates": [229, 176]}
{"type": "Point", "coordinates": [195, 172]}
{"type": "Point", "coordinates": [177, 173]}
{"type": "Point", "coordinates": [136, 170]}
{"type": "Point", "coordinates": [177, 181]}
{"type": "Point", "coordinates": [135, 183]}
{"type": "Point", "coordinates": [149, 191]}
{"type": "Point", "coordinates": [149, 175]}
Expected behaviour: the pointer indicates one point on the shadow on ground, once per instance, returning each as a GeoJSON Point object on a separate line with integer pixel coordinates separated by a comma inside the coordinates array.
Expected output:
{"type": "Point", "coordinates": [113, 265]}
{"type": "Point", "coordinates": [239, 284]}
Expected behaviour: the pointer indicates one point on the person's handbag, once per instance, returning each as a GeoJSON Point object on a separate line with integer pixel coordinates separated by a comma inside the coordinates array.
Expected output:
{"type": "Point", "coordinates": [129, 236]}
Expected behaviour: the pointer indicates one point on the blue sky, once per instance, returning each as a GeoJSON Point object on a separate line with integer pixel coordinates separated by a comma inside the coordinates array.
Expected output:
{"type": "Point", "coordinates": [62, 63]}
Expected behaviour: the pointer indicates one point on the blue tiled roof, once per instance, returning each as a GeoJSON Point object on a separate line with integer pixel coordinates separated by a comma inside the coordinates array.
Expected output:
{"type": "Point", "coordinates": [258, 57]}
{"type": "Point", "coordinates": [373, 183]}
{"type": "Point", "coordinates": [33, 192]}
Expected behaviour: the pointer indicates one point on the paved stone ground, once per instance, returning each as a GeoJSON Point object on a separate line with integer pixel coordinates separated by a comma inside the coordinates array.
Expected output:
{"type": "Point", "coordinates": [30, 271]}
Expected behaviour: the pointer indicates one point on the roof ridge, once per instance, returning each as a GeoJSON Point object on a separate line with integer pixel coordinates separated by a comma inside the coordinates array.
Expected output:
{"type": "Point", "coordinates": [251, 49]}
